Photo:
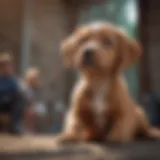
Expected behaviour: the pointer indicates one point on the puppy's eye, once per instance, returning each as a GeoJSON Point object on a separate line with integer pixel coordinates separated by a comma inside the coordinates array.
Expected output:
{"type": "Point", "coordinates": [83, 40]}
{"type": "Point", "coordinates": [107, 42]}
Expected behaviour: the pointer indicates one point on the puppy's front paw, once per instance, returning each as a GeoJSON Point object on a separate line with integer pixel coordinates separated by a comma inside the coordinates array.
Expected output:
{"type": "Point", "coordinates": [113, 137]}
{"type": "Point", "coordinates": [87, 136]}
{"type": "Point", "coordinates": [118, 137]}
{"type": "Point", "coordinates": [65, 139]}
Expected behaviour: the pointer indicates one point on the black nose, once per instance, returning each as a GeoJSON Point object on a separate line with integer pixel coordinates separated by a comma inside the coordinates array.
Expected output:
{"type": "Point", "coordinates": [88, 56]}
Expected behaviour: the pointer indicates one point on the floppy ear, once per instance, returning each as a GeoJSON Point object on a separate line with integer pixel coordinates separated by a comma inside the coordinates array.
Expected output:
{"type": "Point", "coordinates": [67, 49]}
{"type": "Point", "coordinates": [133, 54]}
{"type": "Point", "coordinates": [130, 50]}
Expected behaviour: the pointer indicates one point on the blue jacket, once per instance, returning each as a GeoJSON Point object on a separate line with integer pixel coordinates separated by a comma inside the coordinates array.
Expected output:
{"type": "Point", "coordinates": [8, 91]}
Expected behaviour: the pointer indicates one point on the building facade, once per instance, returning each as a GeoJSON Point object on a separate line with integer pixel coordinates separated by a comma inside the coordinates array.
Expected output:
{"type": "Point", "coordinates": [33, 30]}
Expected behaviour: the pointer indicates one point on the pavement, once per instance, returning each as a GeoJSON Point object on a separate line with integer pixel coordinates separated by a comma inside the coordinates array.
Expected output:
{"type": "Point", "coordinates": [44, 148]}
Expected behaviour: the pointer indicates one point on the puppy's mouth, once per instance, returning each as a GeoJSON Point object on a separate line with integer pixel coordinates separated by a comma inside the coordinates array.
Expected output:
{"type": "Point", "coordinates": [88, 58]}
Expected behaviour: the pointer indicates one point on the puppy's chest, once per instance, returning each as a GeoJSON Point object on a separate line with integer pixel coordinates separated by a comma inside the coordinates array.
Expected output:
{"type": "Point", "coordinates": [100, 102]}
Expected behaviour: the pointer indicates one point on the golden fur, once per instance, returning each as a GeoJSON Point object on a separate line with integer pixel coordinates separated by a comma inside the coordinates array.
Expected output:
{"type": "Point", "coordinates": [101, 107]}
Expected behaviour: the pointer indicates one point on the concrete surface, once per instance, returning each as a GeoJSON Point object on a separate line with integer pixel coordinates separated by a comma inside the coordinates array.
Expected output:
{"type": "Point", "coordinates": [44, 148]}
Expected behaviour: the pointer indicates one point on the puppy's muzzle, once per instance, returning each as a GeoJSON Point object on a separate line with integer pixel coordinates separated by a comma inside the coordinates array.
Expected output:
{"type": "Point", "coordinates": [88, 56]}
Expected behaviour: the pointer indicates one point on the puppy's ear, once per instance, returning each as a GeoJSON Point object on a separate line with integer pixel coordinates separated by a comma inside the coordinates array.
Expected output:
{"type": "Point", "coordinates": [134, 52]}
{"type": "Point", "coordinates": [68, 49]}
{"type": "Point", "coordinates": [130, 50]}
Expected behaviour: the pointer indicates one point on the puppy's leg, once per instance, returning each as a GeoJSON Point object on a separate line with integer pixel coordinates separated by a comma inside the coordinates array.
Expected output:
{"type": "Point", "coordinates": [74, 131]}
{"type": "Point", "coordinates": [145, 129]}
{"type": "Point", "coordinates": [123, 130]}
{"type": "Point", "coordinates": [80, 123]}
{"type": "Point", "coordinates": [71, 131]}
{"type": "Point", "coordinates": [78, 129]}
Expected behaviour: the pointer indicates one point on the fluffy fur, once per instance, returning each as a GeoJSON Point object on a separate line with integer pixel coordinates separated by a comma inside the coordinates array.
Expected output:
{"type": "Point", "coordinates": [101, 107]}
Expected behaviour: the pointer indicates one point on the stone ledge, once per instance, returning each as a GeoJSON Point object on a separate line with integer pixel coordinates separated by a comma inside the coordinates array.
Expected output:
{"type": "Point", "coordinates": [43, 147]}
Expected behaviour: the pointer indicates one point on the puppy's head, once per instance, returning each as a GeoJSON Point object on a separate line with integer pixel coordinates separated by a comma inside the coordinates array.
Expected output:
{"type": "Point", "coordinates": [99, 47]}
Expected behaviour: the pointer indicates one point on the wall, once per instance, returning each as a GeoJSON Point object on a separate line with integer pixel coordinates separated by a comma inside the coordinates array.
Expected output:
{"type": "Point", "coordinates": [10, 26]}
{"type": "Point", "coordinates": [51, 22]}
{"type": "Point", "coordinates": [153, 43]}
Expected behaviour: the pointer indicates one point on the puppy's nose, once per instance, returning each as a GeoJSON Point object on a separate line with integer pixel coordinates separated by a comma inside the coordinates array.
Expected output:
{"type": "Point", "coordinates": [88, 56]}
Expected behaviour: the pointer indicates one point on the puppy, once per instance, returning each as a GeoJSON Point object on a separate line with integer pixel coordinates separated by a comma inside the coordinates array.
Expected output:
{"type": "Point", "coordinates": [101, 107]}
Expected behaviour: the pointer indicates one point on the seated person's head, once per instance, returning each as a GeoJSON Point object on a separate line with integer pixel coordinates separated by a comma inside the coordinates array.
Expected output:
{"type": "Point", "coordinates": [32, 77]}
{"type": "Point", "coordinates": [6, 64]}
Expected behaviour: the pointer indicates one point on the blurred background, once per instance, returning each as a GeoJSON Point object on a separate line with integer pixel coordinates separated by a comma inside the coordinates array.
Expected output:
{"type": "Point", "coordinates": [33, 29]}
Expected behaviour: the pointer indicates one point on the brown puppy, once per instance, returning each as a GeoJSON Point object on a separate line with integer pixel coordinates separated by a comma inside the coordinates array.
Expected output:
{"type": "Point", "coordinates": [101, 52]}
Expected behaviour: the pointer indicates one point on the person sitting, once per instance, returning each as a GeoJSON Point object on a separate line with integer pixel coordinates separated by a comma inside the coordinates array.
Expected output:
{"type": "Point", "coordinates": [11, 110]}
{"type": "Point", "coordinates": [36, 110]}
